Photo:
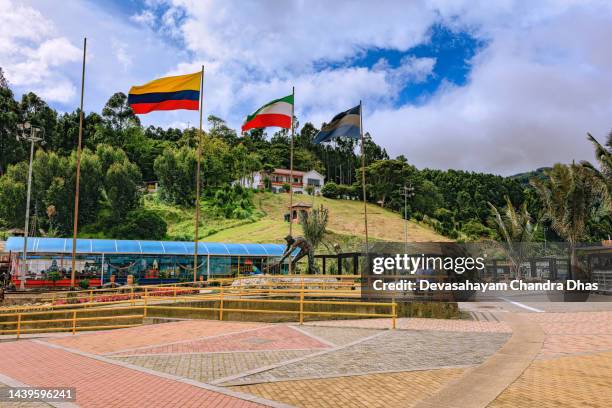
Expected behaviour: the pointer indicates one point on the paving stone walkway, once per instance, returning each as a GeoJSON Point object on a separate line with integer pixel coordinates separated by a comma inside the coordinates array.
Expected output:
{"type": "Point", "coordinates": [455, 325]}
{"type": "Point", "coordinates": [388, 390]}
{"type": "Point", "coordinates": [21, 404]}
{"type": "Point", "coordinates": [100, 384]}
{"type": "Point", "coordinates": [391, 351]}
{"type": "Point", "coordinates": [148, 335]}
{"type": "Point", "coordinates": [348, 363]}
{"type": "Point", "coordinates": [338, 336]}
{"type": "Point", "coordinates": [577, 381]}
{"type": "Point", "coordinates": [207, 367]}
{"type": "Point", "coordinates": [278, 337]}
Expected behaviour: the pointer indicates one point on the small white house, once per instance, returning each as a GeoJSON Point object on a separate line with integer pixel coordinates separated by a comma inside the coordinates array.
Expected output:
{"type": "Point", "coordinates": [315, 179]}
{"type": "Point", "coordinates": [280, 177]}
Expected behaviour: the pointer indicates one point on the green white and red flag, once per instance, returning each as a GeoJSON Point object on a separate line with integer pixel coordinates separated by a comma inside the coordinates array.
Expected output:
{"type": "Point", "coordinates": [276, 113]}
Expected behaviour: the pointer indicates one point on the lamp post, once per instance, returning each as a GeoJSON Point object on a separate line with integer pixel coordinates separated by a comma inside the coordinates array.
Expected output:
{"type": "Point", "coordinates": [406, 191]}
{"type": "Point", "coordinates": [29, 133]}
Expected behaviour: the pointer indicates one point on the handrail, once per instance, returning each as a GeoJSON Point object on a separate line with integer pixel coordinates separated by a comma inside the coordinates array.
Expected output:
{"type": "Point", "coordinates": [222, 296]}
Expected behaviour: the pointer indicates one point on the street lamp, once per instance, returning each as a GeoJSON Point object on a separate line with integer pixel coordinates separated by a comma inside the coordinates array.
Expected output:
{"type": "Point", "coordinates": [30, 134]}
{"type": "Point", "coordinates": [406, 191]}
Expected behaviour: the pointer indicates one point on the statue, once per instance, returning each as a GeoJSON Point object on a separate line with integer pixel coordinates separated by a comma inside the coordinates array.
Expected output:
{"type": "Point", "coordinates": [305, 249]}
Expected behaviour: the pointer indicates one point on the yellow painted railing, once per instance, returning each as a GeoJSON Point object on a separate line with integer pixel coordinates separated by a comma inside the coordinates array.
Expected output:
{"type": "Point", "coordinates": [222, 296]}
{"type": "Point", "coordinates": [22, 319]}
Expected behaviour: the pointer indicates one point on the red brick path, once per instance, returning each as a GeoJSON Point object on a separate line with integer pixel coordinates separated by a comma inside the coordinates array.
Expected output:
{"type": "Point", "coordinates": [116, 340]}
{"type": "Point", "coordinates": [266, 338]}
{"type": "Point", "coordinates": [100, 384]}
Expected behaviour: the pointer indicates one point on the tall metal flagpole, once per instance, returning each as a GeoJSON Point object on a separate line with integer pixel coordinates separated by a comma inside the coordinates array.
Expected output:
{"type": "Point", "coordinates": [197, 204]}
{"type": "Point", "coordinates": [78, 172]}
{"type": "Point", "coordinates": [291, 176]}
{"type": "Point", "coordinates": [363, 178]}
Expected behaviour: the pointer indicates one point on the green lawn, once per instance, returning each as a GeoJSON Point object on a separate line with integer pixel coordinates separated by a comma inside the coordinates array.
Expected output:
{"type": "Point", "coordinates": [346, 226]}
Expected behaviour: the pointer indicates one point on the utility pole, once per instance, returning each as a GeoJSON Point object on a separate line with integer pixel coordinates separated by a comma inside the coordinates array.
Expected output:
{"type": "Point", "coordinates": [29, 133]}
{"type": "Point", "coordinates": [406, 191]}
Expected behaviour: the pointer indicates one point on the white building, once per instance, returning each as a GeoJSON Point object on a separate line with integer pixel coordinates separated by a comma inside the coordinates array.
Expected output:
{"type": "Point", "coordinates": [280, 177]}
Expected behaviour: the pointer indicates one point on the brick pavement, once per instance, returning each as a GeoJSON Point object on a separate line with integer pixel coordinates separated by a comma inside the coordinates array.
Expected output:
{"type": "Point", "coordinates": [376, 390]}
{"type": "Point", "coordinates": [409, 323]}
{"type": "Point", "coordinates": [576, 381]}
{"type": "Point", "coordinates": [391, 351]}
{"type": "Point", "coordinates": [338, 335]}
{"type": "Point", "coordinates": [212, 366]}
{"type": "Point", "coordinates": [573, 323]}
{"type": "Point", "coordinates": [566, 344]}
{"type": "Point", "coordinates": [22, 404]}
{"type": "Point", "coordinates": [147, 335]}
{"type": "Point", "coordinates": [574, 332]}
{"type": "Point", "coordinates": [278, 337]}
{"type": "Point", "coordinates": [100, 384]}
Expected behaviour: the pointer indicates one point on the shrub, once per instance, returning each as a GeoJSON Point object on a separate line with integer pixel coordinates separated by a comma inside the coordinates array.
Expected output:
{"type": "Point", "coordinates": [141, 224]}
{"type": "Point", "coordinates": [233, 202]}
{"type": "Point", "coordinates": [474, 230]}
{"type": "Point", "coordinates": [84, 283]}
{"type": "Point", "coordinates": [53, 276]}
{"type": "Point", "coordinates": [330, 190]}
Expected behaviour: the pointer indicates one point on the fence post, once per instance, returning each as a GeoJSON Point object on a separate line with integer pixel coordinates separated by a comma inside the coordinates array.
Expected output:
{"type": "Point", "coordinates": [302, 303]}
{"type": "Point", "coordinates": [144, 313]}
{"type": "Point", "coordinates": [91, 296]}
{"type": "Point", "coordinates": [132, 295]}
{"type": "Point", "coordinates": [74, 322]}
{"type": "Point", "coordinates": [394, 312]}
{"type": "Point", "coordinates": [18, 325]}
{"type": "Point", "coordinates": [175, 290]}
{"type": "Point", "coordinates": [221, 305]}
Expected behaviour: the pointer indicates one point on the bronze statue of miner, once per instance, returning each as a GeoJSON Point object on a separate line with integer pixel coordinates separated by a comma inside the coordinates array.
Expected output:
{"type": "Point", "coordinates": [305, 249]}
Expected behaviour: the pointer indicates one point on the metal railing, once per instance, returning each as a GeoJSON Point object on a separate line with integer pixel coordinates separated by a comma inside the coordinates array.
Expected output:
{"type": "Point", "coordinates": [221, 296]}
{"type": "Point", "coordinates": [21, 319]}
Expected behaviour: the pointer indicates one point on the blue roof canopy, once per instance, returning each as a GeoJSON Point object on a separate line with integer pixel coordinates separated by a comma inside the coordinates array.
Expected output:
{"type": "Point", "coordinates": [110, 246]}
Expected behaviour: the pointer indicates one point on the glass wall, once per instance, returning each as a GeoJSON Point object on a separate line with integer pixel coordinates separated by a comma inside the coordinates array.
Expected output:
{"type": "Point", "coordinates": [145, 267]}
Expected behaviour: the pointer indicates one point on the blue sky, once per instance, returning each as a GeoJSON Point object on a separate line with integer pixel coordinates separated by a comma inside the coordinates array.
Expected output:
{"type": "Point", "coordinates": [479, 86]}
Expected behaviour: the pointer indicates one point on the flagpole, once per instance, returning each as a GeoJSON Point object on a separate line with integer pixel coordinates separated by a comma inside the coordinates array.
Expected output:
{"type": "Point", "coordinates": [78, 172]}
{"type": "Point", "coordinates": [291, 176]}
{"type": "Point", "coordinates": [197, 203]}
{"type": "Point", "coordinates": [363, 178]}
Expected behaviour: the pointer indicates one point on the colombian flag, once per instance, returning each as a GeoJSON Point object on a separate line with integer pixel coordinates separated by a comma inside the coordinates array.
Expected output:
{"type": "Point", "coordinates": [170, 93]}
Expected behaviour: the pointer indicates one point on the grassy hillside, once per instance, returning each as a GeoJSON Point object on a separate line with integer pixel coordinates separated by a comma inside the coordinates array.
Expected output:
{"type": "Point", "coordinates": [267, 225]}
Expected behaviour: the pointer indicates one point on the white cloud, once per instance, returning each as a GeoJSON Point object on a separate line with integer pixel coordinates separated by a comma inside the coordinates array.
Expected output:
{"type": "Point", "coordinates": [122, 54]}
{"type": "Point", "coordinates": [273, 37]}
{"type": "Point", "coordinates": [145, 17]}
{"type": "Point", "coordinates": [31, 53]}
{"type": "Point", "coordinates": [539, 84]}
{"type": "Point", "coordinates": [533, 94]}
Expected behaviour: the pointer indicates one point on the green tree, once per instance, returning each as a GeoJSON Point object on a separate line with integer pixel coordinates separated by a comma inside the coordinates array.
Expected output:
{"type": "Point", "coordinates": [123, 187]}
{"type": "Point", "coordinates": [141, 224]}
{"type": "Point", "coordinates": [91, 183]}
{"type": "Point", "coordinates": [118, 114]}
{"type": "Point", "coordinates": [11, 150]}
{"type": "Point", "coordinates": [175, 169]}
{"type": "Point", "coordinates": [12, 201]}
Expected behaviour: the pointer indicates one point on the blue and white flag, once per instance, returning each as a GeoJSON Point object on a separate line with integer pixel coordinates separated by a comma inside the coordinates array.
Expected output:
{"type": "Point", "coordinates": [345, 124]}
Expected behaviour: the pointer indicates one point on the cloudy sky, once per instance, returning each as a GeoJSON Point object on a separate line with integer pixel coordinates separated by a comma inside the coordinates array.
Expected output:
{"type": "Point", "coordinates": [503, 87]}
